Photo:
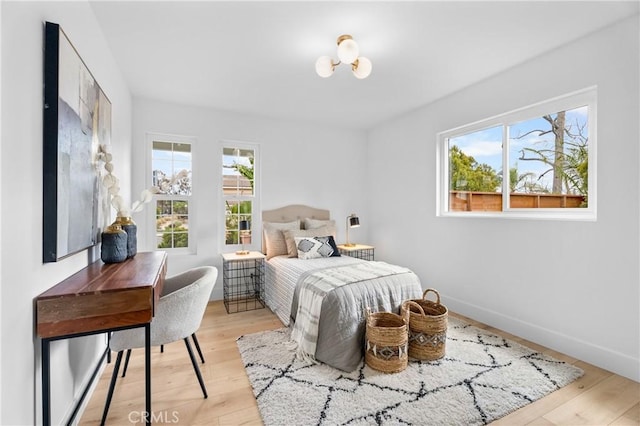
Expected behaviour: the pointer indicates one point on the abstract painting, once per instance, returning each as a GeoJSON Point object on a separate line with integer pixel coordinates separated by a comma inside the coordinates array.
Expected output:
{"type": "Point", "coordinates": [77, 119]}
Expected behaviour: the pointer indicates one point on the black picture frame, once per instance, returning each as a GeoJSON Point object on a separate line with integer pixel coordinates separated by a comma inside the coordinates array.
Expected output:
{"type": "Point", "coordinates": [76, 120]}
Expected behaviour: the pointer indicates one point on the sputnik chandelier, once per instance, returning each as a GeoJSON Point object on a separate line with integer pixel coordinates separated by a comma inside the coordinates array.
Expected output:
{"type": "Point", "coordinates": [347, 54]}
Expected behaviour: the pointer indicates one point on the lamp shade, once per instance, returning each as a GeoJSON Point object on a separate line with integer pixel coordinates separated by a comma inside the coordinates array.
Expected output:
{"type": "Point", "coordinates": [244, 225]}
{"type": "Point", "coordinates": [354, 221]}
{"type": "Point", "coordinates": [348, 51]}
{"type": "Point", "coordinates": [362, 68]}
{"type": "Point", "coordinates": [324, 66]}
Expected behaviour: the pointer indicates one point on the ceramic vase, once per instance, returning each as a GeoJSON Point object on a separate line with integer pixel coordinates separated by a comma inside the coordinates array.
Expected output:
{"type": "Point", "coordinates": [130, 227]}
{"type": "Point", "coordinates": [114, 245]}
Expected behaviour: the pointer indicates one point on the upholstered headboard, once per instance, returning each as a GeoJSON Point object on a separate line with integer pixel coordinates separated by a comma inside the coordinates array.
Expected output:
{"type": "Point", "coordinates": [291, 213]}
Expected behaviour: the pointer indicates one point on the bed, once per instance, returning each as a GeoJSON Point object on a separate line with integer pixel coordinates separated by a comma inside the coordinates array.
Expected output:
{"type": "Point", "coordinates": [341, 325]}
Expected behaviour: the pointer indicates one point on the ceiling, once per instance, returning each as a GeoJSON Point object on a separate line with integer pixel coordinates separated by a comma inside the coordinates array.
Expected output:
{"type": "Point", "coordinates": [258, 58]}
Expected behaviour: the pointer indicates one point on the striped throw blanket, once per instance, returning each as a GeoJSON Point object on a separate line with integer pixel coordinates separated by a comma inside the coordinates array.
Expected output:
{"type": "Point", "coordinates": [313, 288]}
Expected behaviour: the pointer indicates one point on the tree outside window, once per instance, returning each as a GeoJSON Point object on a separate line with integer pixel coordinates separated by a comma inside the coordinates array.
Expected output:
{"type": "Point", "coordinates": [546, 155]}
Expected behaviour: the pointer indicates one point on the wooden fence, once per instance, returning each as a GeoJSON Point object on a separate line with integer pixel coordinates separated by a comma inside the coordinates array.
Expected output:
{"type": "Point", "coordinates": [492, 201]}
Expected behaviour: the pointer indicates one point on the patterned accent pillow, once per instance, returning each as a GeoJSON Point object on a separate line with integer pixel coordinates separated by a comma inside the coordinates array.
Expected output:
{"type": "Point", "coordinates": [314, 247]}
{"type": "Point", "coordinates": [273, 239]}
{"type": "Point", "coordinates": [332, 243]}
{"type": "Point", "coordinates": [291, 234]}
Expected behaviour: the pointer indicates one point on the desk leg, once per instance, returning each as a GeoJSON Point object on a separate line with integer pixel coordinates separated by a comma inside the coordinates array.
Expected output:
{"type": "Point", "coordinates": [147, 369]}
{"type": "Point", "coordinates": [46, 384]}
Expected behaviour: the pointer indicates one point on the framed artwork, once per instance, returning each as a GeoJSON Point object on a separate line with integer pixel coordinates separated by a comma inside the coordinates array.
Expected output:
{"type": "Point", "coordinates": [76, 120]}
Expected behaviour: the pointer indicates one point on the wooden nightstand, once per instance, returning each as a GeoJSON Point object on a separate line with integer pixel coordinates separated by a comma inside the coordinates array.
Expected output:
{"type": "Point", "coordinates": [360, 251]}
{"type": "Point", "coordinates": [243, 281]}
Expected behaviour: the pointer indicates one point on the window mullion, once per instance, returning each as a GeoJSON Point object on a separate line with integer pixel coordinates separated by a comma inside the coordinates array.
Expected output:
{"type": "Point", "coordinates": [506, 172]}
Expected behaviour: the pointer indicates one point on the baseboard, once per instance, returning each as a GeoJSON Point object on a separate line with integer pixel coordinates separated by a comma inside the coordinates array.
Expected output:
{"type": "Point", "coordinates": [602, 357]}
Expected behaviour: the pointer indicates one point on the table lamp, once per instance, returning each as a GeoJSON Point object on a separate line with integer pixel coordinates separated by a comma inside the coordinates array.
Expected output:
{"type": "Point", "coordinates": [243, 226]}
{"type": "Point", "coordinates": [352, 222]}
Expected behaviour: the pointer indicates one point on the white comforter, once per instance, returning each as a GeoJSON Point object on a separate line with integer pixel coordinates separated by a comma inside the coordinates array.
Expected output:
{"type": "Point", "coordinates": [282, 275]}
{"type": "Point", "coordinates": [342, 319]}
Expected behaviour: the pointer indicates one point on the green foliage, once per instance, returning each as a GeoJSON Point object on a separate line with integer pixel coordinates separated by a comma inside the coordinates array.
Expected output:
{"type": "Point", "coordinates": [165, 207]}
{"type": "Point", "coordinates": [245, 171]}
{"type": "Point", "coordinates": [576, 172]}
{"type": "Point", "coordinates": [466, 174]}
{"type": "Point", "coordinates": [235, 212]}
{"type": "Point", "coordinates": [525, 182]}
{"type": "Point", "coordinates": [174, 236]}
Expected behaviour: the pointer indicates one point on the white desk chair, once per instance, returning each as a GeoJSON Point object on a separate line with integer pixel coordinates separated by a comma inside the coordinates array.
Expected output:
{"type": "Point", "coordinates": [178, 315]}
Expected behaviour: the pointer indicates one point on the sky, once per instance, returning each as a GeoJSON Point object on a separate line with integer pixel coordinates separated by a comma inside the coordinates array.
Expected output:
{"type": "Point", "coordinates": [233, 156]}
{"type": "Point", "coordinates": [170, 162]}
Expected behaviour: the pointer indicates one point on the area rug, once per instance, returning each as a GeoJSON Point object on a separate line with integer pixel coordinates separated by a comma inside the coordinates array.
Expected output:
{"type": "Point", "coordinates": [481, 378]}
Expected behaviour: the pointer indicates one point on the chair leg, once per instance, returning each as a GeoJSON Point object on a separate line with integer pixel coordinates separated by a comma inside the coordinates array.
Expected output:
{"type": "Point", "coordinates": [109, 352]}
{"type": "Point", "coordinates": [126, 362]}
{"type": "Point", "coordinates": [195, 341]}
{"type": "Point", "coordinates": [195, 367]}
{"type": "Point", "coordinates": [112, 385]}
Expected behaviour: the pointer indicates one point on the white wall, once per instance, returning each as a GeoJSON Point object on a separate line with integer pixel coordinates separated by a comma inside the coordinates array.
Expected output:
{"type": "Point", "coordinates": [23, 275]}
{"type": "Point", "coordinates": [572, 286]}
{"type": "Point", "coordinates": [301, 164]}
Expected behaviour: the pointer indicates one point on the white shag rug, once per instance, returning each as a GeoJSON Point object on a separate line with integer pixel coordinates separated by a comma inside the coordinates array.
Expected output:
{"type": "Point", "coordinates": [481, 378]}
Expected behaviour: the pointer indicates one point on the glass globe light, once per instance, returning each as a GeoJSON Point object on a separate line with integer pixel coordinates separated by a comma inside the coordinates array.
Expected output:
{"type": "Point", "coordinates": [362, 69]}
{"type": "Point", "coordinates": [324, 66]}
{"type": "Point", "coordinates": [348, 51]}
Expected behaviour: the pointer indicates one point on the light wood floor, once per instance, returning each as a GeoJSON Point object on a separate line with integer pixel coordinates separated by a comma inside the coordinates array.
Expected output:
{"type": "Point", "coordinates": [598, 398]}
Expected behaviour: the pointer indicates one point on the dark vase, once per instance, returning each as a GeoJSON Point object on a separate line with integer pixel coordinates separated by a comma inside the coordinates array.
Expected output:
{"type": "Point", "coordinates": [114, 245]}
{"type": "Point", "coordinates": [130, 227]}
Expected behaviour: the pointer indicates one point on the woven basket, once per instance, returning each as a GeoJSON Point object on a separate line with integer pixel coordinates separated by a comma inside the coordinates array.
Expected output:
{"type": "Point", "coordinates": [386, 342]}
{"type": "Point", "coordinates": [427, 327]}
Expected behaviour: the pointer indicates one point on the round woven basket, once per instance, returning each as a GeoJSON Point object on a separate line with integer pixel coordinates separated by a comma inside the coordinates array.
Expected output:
{"type": "Point", "coordinates": [386, 342]}
{"type": "Point", "coordinates": [427, 327]}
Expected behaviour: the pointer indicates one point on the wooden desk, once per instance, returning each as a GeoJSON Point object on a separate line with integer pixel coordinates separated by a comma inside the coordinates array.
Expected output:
{"type": "Point", "coordinates": [97, 299]}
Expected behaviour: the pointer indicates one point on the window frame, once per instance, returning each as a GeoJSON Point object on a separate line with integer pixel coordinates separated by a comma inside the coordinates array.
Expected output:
{"type": "Point", "coordinates": [256, 212]}
{"type": "Point", "coordinates": [191, 199]}
{"type": "Point", "coordinates": [585, 97]}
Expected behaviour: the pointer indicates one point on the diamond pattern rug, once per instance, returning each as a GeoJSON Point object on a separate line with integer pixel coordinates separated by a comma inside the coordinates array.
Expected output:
{"type": "Point", "coordinates": [481, 378]}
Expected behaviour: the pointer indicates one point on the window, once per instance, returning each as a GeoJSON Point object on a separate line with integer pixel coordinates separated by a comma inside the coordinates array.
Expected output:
{"type": "Point", "coordinates": [547, 151]}
{"type": "Point", "coordinates": [172, 176]}
{"type": "Point", "coordinates": [239, 189]}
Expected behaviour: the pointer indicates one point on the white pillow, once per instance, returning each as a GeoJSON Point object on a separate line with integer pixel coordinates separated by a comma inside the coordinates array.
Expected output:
{"type": "Point", "coordinates": [317, 223]}
{"type": "Point", "coordinates": [273, 238]}
{"type": "Point", "coordinates": [290, 236]}
{"type": "Point", "coordinates": [313, 247]}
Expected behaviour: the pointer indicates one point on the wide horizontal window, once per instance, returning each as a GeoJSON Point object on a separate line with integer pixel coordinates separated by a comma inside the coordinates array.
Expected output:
{"type": "Point", "coordinates": [538, 161]}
